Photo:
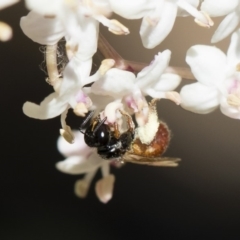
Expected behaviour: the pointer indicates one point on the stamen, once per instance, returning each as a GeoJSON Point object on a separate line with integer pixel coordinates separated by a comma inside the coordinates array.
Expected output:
{"type": "Point", "coordinates": [233, 100]}
{"type": "Point", "coordinates": [5, 32]}
{"type": "Point", "coordinates": [238, 67]}
{"type": "Point", "coordinates": [152, 21]}
{"type": "Point", "coordinates": [106, 65]}
{"type": "Point", "coordinates": [80, 109]}
{"type": "Point", "coordinates": [209, 23]}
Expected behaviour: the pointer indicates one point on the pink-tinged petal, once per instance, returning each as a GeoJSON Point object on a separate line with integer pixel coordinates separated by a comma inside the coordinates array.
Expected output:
{"type": "Point", "coordinates": [233, 54]}
{"type": "Point", "coordinates": [79, 164]}
{"type": "Point", "coordinates": [50, 107]}
{"type": "Point", "coordinates": [217, 8]}
{"type": "Point", "coordinates": [167, 82]}
{"type": "Point", "coordinates": [104, 188]}
{"type": "Point", "coordinates": [152, 73]}
{"type": "Point", "coordinates": [132, 9]}
{"type": "Point", "coordinates": [228, 110]}
{"type": "Point", "coordinates": [45, 7]}
{"type": "Point", "coordinates": [116, 83]}
{"type": "Point", "coordinates": [199, 98]}
{"type": "Point", "coordinates": [208, 64]}
{"type": "Point", "coordinates": [45, 31]}
{"type": "Point", "coordinates": [228, 24]}
{"type": "Point", "coordinates": [79, 146]}
{"type": "Point", "coordinates": [154, 34]}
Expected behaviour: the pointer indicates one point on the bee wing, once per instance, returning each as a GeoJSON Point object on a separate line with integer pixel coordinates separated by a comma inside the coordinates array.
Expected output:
{"type": "Point", "coordinates": [154, 161]}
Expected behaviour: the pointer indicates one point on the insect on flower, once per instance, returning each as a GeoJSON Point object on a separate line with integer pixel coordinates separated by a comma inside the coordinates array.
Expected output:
{"type": "Point", "coordinates": [143, 145]}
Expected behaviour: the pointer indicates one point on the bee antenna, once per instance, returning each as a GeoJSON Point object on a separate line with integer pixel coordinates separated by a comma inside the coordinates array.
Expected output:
{"type": "Point", "coordinates": [86, 121]}
{"type": "Point", "coordinates": [99, 125]}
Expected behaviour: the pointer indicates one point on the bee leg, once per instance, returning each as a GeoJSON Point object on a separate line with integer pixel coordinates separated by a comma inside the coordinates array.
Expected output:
{"type": "Point", "coordinates": [116, 131]}
{"type": "Point", "coordinates": [129, 121]}
{"type": "Point", "coordinates": [99, 124]}
{"type": "Point", "coordinates": [86, 121]}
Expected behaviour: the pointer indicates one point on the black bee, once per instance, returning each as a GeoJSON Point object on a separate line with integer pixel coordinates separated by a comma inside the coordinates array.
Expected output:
{"type": "Point", "coordinates": [127, 146]}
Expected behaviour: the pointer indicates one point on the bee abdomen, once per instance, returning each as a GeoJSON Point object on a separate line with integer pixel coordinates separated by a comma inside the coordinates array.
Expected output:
{"type": "Point", "coordinates": [155, 148]}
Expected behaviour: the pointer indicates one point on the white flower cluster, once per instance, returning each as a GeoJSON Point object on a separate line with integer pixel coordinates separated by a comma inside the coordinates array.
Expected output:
{"type": "Point", "coordinates": [115, 85]}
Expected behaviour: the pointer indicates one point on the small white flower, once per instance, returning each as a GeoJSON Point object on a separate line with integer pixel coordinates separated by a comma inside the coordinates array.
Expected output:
{"type": "Point", "coordinates": [158, 16]}
{"type": "Point", "coordinates": [124, 86]}
{"type": "Point", "coordinates": [81, 159]}
{"type": "Point", "coordinates": [216, 8]}
{"type": "Point", "coordinates": [218, 78]}
{"type": "Point", "coordinates": [70, 94]}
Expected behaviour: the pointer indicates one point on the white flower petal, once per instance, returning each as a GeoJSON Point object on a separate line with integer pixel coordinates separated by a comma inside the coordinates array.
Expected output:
{"type": "Point", "coordinates": [7, 3]}
{"type": "Point", "coordinates": [75, 74]}
{"type": "Point", "coordinates": [183, 13]}
{"type": "Point", "coordinates": [104, 188]}
{"type": "Point", "coordinates": [79, 164]}
{"type": "Point", "coordinates": [79, 146]}
{"type": "Point", "coordinates": [167, 82]}
{"type": "Point", "coordinates": [233, 54]}
{"type": "Point", "coordinates": [230, 111]}
{"type": "Point", "coordinates": [99, 102]}
{"type": "Point", "coordinates": [228, 24]}
{"type": "Point", "coordinates": [50, 107]}
{"type": "Point", "coordinates": [152, 73]}
{"type": "Point", "coordinates": [152, 35]}
{"type": "Point", "coordinates": [45, 7]}
{"type": "Point", "coordinates": [115, 83]}
{"type": "Point", "coordinates": [208, 64]}
{"type": "Point", "coordinates": [45, 31]}
{"type": "Point", "coordinates": [87, 39]}
{"type": "Point", "coordinates": [132, 9]}
{"type": "Point", "coordinates": [111, 111]}
{"type": "Point", "coordinates": [216, 8]}
{"type": "Point", "coordinates": [199, 98]}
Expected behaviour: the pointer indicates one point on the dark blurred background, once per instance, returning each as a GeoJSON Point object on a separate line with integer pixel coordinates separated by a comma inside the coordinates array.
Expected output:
{"type": "Point", "coordinates": [198, 200]}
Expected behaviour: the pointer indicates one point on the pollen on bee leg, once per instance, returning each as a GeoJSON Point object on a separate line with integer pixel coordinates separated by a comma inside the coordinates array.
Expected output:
{"type": "Point", "coordinates": [147, 132]}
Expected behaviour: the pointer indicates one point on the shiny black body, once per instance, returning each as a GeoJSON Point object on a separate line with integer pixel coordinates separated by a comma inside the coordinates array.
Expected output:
{"type": "Point", "coordinates": [99, 135]}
